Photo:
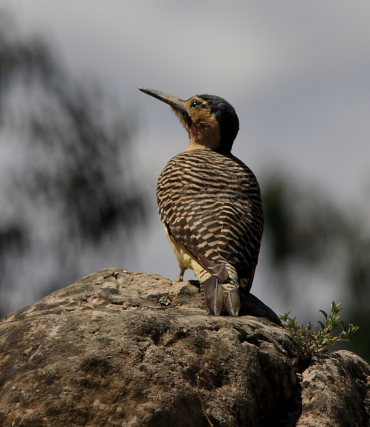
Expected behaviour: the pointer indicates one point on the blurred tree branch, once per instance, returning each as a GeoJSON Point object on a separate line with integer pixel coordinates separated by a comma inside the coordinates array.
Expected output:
{"type": "Point", "coordinates": [75, 185]}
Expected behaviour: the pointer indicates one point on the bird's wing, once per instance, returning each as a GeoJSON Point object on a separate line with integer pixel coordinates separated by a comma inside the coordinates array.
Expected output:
{"type": "Point", "coordinates": [210, 208]}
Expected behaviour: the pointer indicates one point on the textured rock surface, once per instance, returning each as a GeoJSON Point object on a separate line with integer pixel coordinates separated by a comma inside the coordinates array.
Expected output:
{"type": "Point", "coordinates": [119, 348]}
{"type": "Point", "coordinates": [336, 392]}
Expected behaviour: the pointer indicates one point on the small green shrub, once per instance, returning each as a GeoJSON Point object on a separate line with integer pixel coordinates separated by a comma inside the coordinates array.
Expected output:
{"type": "Point", "coordinates": [316, 339]}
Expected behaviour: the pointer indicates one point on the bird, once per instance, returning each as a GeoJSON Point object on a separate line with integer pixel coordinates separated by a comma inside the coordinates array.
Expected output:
{"type": "Point", "coordinates": [210, 203]}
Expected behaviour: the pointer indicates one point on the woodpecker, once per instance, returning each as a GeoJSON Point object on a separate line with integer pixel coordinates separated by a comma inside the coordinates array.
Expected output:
{"type": "Point", "coordinates": [210, 203]}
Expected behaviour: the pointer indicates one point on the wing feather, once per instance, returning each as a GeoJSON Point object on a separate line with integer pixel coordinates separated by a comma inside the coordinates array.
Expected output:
{"type": "Point", "coordinates": [211, 205]}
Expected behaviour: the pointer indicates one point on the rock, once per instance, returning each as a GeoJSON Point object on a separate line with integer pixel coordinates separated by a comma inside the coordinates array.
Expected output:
{"type": "Point", "coordinates": [336, 391]}
{"type": "Point", "coordinates": [120, 348]}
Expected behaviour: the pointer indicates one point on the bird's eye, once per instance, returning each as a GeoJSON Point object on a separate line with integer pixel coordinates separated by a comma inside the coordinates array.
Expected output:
{"type": "Point", "coordinates": [195, 103]}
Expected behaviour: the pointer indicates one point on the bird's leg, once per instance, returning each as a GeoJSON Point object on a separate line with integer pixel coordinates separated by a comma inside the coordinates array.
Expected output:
{"type": "Point", "coordinates": [181, 275]}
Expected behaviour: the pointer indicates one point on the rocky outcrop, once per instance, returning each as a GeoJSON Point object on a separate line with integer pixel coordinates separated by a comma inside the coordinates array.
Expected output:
{"type": "Point", "coordinates": [335, 391]}
{"type": "Point", "coordinates": [120, 348]}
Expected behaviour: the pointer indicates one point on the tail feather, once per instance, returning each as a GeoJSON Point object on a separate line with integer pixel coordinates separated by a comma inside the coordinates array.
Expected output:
{"type": "Point", "coordinates": [221, 297]}
{"type": "Point", "coordinates": [233, 302]}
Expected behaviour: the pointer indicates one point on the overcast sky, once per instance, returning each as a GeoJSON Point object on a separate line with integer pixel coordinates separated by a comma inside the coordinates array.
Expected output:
{"type": "Point", "coordinates": [297, 73]}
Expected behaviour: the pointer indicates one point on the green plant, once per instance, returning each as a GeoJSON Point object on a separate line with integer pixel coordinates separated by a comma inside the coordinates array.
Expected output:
{"type": "Point", "coordinates": [316, 339]}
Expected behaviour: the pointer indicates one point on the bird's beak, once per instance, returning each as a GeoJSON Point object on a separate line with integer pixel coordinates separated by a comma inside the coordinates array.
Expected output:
{"type": "Point", "coordinates": [176, 103]}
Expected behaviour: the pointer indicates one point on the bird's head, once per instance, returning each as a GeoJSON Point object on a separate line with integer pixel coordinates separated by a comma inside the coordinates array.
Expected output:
{"type": "Point", "coordinates": [210, 121]}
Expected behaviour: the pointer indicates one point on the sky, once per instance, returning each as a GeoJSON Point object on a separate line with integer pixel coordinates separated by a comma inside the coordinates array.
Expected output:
{"type": "Point", "coordinates": [297, 73]}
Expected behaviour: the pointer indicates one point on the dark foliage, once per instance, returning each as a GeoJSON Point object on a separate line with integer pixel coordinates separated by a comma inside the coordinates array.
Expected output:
{"type": "Point", "coordinates": [305, 228]}
{"type": "Point", "coordinates": [75, 187]}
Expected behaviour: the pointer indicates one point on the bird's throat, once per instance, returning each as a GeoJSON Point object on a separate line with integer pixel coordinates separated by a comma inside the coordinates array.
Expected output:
{"type": "Point", "coordinates": [193, 131]}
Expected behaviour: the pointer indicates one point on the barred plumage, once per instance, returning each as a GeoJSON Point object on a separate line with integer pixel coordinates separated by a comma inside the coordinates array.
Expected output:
{"type": "Point", "coordinates": [210, 203]}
